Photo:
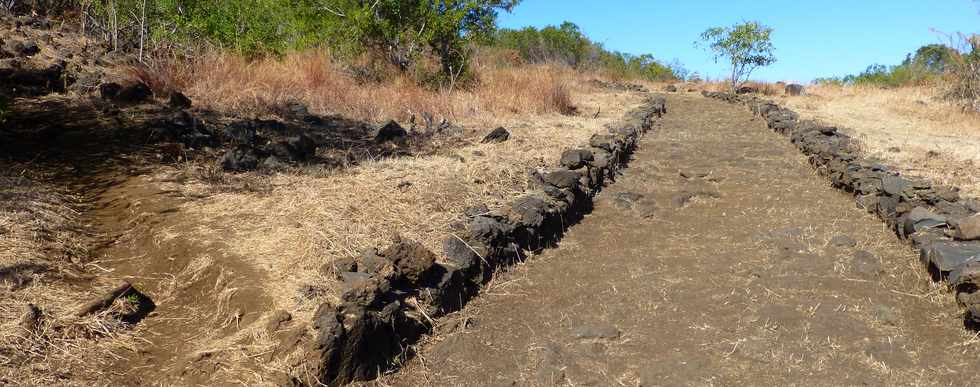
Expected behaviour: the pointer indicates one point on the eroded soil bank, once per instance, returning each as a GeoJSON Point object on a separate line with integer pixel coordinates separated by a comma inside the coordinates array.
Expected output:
{"type": "Point", "coordinates": [718, 258]}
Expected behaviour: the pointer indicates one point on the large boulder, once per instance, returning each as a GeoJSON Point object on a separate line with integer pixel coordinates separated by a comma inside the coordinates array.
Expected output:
{"type": "Point", "coordinates": [463, 255]}
{"type": "Point", "coordinates": [894, 185]}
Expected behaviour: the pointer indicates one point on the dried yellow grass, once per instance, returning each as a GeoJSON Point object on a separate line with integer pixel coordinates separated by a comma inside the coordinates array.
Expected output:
{"type": "Point", "coordinates": [308, 221]}
{"type": "Point", "coordinates": [307, 217]}
{"type": "Point", "coordinates": [230, 83]}
{"type": "Point", "coordinates": [39, 243]}
{"type": "Point", "coordinates": [911, 128]}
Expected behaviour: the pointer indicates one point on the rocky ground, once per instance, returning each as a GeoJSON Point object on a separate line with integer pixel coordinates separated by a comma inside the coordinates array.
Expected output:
{"type": "Point", "coordinates": [719, 258]}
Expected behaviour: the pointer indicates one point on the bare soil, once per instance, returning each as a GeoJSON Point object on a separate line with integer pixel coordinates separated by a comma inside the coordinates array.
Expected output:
{"type": "Point", "coordinates": [719, 258]}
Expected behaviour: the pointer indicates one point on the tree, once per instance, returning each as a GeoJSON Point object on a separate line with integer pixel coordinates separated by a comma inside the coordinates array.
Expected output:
{"type": "Point", "coordinates": [404, 29]}
{"type": "Point", "coordinates": [934, 58]}
{"type": "Point", "coordinates": [746, 45]}
{"type": "Point", "coordinates": [567, 44]}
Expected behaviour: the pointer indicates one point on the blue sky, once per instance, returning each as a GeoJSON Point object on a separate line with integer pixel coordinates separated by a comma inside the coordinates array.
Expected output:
{"type": "Point", "coordinates": [812, 38]}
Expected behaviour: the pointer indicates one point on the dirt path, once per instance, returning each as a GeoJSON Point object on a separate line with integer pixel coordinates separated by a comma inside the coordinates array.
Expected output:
{"type": "Point", "coordinates": [205, 298]}
{"type": "Point", "coordinates": [737, 266]}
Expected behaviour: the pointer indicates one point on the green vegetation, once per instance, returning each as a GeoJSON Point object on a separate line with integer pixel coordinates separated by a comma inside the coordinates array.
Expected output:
{"type": "Point", "coordinates": [954, 68]}
{"type": "Point", "coordinates": [927, 65]}
{"type": "Point", "coordinates": [400, 31]}
{"type": "Point", "coordinates": [434, 41]}
{"type": "Point", "coordinates": [567, 44]}
{"type": "Point", "coordinates": [746, 45]}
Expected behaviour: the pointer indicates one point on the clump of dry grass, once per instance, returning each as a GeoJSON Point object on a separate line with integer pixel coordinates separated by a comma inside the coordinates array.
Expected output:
{"type": "Point", "coordinates": [228, 82]}
{"type": "Point", "coordinates": [962, 83]}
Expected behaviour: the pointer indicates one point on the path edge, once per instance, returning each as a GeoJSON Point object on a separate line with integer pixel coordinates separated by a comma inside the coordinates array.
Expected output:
{"type": "Point", "coordinates": [932, 218]}
{"type": "Point", "coordinates": [393, 297]}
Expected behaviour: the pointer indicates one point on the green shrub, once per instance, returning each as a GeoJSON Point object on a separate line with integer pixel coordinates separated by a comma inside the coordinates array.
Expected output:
{"type": "Point", "coordinates": [747, 46]}
{"type": "Point", "coordinates": [401, 31]}
{"type": "Point", "coordinates": [567, 44]}
{"type": "Point", "coordinates": [927, 65]}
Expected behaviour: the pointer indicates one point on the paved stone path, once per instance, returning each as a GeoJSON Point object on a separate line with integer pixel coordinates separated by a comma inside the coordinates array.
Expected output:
{"type": "Point", "coordinates": [718, 258]}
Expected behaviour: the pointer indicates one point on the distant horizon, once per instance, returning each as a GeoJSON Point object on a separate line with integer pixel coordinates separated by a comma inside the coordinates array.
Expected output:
{"type": "Point", "coordinates": [812, 40]}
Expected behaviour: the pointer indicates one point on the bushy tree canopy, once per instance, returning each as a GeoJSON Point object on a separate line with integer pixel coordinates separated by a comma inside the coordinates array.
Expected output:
{"type": "Point", "coordinates": [567, 44]}
{"type": "Point", "coordinates": [747, 46]}
{"type": "Point", "coordinates": [403, 30]}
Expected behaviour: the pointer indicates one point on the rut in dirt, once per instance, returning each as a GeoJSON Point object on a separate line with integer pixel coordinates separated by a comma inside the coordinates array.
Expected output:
{"type": "Point", "coordinates": [718, 258]}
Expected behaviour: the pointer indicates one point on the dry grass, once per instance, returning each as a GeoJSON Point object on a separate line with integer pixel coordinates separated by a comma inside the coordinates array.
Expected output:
{"type": "Point", "coordinates": [283, 233]}
{"type": "Point", "coordinates": [912, 128]}
{"type": "Point", "coordinates": [307, 217]}
{"type": "Point", "coordinates": [40, 244]}
{"type": "Point", "coordinates": [233, 84]}
{"type": "Point", "coordinates": [310, 217]}
{"type": "Point", "coordinates": [318, 219]}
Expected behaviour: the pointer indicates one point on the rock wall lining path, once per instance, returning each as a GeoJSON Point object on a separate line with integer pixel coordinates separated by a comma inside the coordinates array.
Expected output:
{"type": "Point", "coordinates": [392, 297]}
{"type": "Point", "coordinates": [933, 218]}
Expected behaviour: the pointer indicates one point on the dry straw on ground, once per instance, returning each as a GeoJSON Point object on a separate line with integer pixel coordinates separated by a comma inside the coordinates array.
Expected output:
{"type": "Point", "coordinates": [41, 244]}
{"type": "Point", "coordinates": [306, 221]}
{"type": "Point", "coordinates": [308, 217]}
{"type": "Point", "coordinates": [912, 128]}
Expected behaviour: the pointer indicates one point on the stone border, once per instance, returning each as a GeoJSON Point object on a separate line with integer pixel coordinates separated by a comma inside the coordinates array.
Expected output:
{"type": "Point", "coordinates": [933, 218]}
{"type": "Point", "coordinates": [391, 298]}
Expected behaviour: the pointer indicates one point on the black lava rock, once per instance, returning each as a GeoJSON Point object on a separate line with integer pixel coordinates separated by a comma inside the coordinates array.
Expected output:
{"type": "Point", "coordinates": [563, 178]}
{"type": "Point", "coordinates": [391, 131]}
{"type": "Point", "coordinates": [179, 101]}
{"type": "Point", "coordinates": [576, 158]}
{"type": "Point", "coordinates": [240, 159]}
{"type": "Point", "coordinates": [134, 94]}
{"type": "Point", "coordinates": [109, 91]}
{"type": "Point", "coordinates": [497, 135]}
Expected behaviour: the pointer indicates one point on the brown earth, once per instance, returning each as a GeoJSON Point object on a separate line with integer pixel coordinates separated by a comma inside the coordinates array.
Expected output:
{"type": "Point", "coordinates": [719, 258]}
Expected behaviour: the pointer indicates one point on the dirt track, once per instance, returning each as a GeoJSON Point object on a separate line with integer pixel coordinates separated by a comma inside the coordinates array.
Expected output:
{"type": "Point", "coordinates": [719, 258]}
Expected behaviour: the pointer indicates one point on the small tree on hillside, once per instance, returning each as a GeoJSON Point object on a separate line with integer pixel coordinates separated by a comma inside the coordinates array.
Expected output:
{"type": "Point", "coordinates": [746, 45]}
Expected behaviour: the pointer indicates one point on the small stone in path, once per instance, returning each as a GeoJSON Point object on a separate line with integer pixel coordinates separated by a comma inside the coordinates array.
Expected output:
{"type": "Point", "coordinates": [842, 241]}
{"type": "Point", "coordinates": [886, 314]}
{"type": "Point", "coordinates": [596, 331]}
{"type": "Point", "coordinates": [866, 264]}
